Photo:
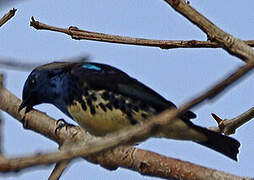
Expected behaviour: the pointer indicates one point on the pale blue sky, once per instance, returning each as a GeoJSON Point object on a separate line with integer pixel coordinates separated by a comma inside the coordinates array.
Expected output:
{"type": "Point", "coordinates": [177, 74]}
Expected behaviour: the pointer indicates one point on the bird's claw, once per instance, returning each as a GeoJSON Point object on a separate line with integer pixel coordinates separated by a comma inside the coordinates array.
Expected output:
{"type": "Point", "coordinates": [62, 123]}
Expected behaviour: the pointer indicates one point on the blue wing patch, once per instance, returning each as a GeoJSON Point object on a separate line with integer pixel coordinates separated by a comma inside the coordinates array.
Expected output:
{"type": "Point", "coordinates": [92, 67]}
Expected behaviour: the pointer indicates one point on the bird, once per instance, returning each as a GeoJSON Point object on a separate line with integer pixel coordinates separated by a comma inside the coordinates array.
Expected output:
{"type": "Point", "coordinates": [103, 99]}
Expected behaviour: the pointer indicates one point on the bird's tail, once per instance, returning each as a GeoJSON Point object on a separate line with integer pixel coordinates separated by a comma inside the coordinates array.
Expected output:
{"type": "Point", "coordinates": [220, 143]}
{"type": "Point", "coordinates": [186, 130]}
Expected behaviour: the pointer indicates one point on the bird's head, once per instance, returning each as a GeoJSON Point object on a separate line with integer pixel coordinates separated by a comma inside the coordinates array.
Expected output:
{"type": "Point", "coordinates": [42, 85]}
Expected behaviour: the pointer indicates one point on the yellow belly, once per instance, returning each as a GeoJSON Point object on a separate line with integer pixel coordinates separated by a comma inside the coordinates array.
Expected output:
{"type": "Point", "coordinates": [100, 121]}
{"type": "Point", "coordinates": [105, 120]}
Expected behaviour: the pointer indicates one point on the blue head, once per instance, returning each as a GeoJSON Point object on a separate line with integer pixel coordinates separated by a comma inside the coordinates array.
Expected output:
{"type": "Point", "coordinates": [45, 85]}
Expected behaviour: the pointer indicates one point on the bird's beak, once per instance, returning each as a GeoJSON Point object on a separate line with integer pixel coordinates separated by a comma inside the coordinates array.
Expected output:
{"type": "Point", "coordinates": [26, 103]}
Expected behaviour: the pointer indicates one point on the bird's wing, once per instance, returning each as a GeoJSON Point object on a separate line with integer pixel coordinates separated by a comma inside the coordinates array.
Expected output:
{"type": "Point", "coordinates": [101, 76]}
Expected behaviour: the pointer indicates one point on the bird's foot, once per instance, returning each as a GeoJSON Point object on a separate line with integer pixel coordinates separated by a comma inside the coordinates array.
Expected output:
{"type": "Point", "coordinates": [62, 123]}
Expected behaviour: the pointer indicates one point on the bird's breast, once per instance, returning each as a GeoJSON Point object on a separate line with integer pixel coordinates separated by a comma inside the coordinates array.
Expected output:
{"type": "Point", "coordinates": [102, 112]}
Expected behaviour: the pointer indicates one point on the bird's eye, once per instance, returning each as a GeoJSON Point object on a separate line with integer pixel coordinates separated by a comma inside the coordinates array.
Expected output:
{"type": "Point", "coordinates": [32, 83]}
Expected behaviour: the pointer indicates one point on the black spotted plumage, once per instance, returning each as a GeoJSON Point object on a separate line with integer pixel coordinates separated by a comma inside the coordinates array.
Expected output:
{"type": "Point", "coordinates": [84, 106]}
{"type": "Point", "coordinates": [109, 106]}
{"type": "Point", "coordinates": [104, 99]}
{"type": "Point", "coordinates": [102, 106]}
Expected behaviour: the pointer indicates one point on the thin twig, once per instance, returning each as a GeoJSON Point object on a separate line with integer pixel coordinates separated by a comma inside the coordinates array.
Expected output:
{"type": "Point", "coordinates": [27, 66]}
{"type": "Point", "coordinates": [14, 64]}
{"type": "Point", "coordinates": [229, 126]}
{"type": "Point", "coordinates": [7, 16]}
{"type": "Point", "coordinates": [58, 170]}
{"type": "Point", "coordinates": [78, 34]}
{"type": "Point", "coordinates": [219, 87]}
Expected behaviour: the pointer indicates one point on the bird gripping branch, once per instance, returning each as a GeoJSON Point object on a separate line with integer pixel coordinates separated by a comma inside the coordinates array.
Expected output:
{"type": "Point", "coordinates": [103, 99]}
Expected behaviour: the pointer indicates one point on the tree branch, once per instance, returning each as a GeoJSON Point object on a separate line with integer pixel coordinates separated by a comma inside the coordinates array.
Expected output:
{"type": "Point", "coordinates": [25, 66]}
{"type": "Point", "coordinates": [7, 16]}
{"type": "Point", "coordinates": [79, 34]}
{"type": "Point", "coordinates": [232, 45]}
{"type": "Point", "coordinates": [219, 87]}
{"type": "Point", "coordinates": [58, 169]}
{"type": "Point", "coordinates": [229, 126]}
